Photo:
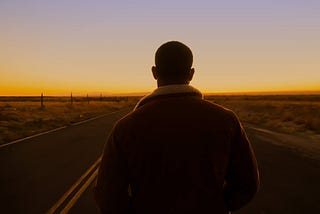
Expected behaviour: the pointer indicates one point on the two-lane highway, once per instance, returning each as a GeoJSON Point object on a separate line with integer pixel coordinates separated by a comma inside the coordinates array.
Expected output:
{"type": "Point", "coordinates": [54, 172]}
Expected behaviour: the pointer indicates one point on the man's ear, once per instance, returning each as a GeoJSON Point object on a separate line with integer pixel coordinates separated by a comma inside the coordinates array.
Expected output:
{"type": "Point", "coordinates": [154, 72]}
{"type": "Point", "coordinates": [191, 74]}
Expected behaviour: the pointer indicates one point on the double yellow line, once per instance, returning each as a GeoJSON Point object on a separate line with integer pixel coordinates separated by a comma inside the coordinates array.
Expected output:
{"type": "Point", "coordinates": [65, 203]}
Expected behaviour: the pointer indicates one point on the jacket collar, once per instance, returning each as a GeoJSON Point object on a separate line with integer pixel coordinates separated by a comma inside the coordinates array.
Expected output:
{"type": "Point", "coordinates": [169, 90]}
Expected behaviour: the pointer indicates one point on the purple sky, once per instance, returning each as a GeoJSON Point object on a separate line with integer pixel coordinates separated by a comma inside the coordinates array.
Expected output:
{"type": "Point", "coordinates": [248, 45]}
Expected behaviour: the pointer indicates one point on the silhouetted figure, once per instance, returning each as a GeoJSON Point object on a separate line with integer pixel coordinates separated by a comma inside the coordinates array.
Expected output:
{"type": "Point", "coordinates": [176, 152]}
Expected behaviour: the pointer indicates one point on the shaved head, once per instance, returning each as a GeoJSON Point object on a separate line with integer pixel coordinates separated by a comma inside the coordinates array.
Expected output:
{"type": "Point", "coordinates": [173, 60]}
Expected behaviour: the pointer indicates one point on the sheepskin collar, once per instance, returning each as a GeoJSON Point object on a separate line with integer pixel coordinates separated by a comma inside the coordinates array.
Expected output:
{"type": "Point", "coordinates": [169, 89]}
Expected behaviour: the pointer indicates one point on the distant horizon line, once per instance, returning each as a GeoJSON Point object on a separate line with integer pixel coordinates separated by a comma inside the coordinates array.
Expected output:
{"type": "Point", "coordinates": [109, 94]}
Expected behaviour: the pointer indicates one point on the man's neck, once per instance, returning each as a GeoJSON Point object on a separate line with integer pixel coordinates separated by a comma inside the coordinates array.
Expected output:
{"type": "Point", "coordinates": [160, 84]}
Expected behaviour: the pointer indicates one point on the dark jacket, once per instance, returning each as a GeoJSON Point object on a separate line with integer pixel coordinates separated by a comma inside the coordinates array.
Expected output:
{"type": "Point", "coordinates": [179, 154]}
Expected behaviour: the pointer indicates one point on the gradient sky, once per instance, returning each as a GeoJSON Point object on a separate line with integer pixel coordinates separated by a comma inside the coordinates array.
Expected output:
{"type": "Point", "coordinates": [108, 46]}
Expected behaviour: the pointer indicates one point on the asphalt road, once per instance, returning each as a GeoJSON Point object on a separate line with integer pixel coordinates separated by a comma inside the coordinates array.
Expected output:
{"type": "Point", "coordinates": [36, 173]}
{"type": "Point", "coordinates": [290, 176]}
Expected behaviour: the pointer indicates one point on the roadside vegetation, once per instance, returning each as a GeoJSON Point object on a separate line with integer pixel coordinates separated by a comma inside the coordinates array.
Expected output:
{"type": "Point", "coordinates": [24, 116]}
{"type": "Point", "coordinates": [287, 113]}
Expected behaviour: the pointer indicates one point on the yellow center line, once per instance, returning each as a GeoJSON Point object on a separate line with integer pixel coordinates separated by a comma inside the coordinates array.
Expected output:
{"type": "Point", "coordinates": [73, 187]}
{"type": "Point", "coordinates": [79, 193]}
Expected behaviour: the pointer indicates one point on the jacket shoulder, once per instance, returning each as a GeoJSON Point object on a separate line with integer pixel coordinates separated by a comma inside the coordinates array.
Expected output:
{"type": "Point", "coordinates": [221, 110]}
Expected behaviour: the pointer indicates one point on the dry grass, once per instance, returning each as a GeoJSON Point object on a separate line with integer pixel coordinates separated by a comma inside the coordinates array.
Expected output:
{"type": "Point", "coordinates": [287, 113]}
{"type": "Point", "coordinates": [21, 117]}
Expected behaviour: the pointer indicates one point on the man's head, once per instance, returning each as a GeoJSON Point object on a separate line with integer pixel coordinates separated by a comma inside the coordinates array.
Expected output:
{"type": "Point", "coordinates": [173, 64]}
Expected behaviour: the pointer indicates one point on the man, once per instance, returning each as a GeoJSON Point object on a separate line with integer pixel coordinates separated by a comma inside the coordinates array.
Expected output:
{"type": "Point", "coordinates": [176, 152]}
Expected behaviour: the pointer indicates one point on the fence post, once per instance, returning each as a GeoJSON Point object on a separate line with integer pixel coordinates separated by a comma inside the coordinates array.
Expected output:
{"type": "Point", "coordinates": [71, 99]}
{"type": "Point", "coordinates": [41, 100]}
{"type": "Point", "coordinates": [88, 98]}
